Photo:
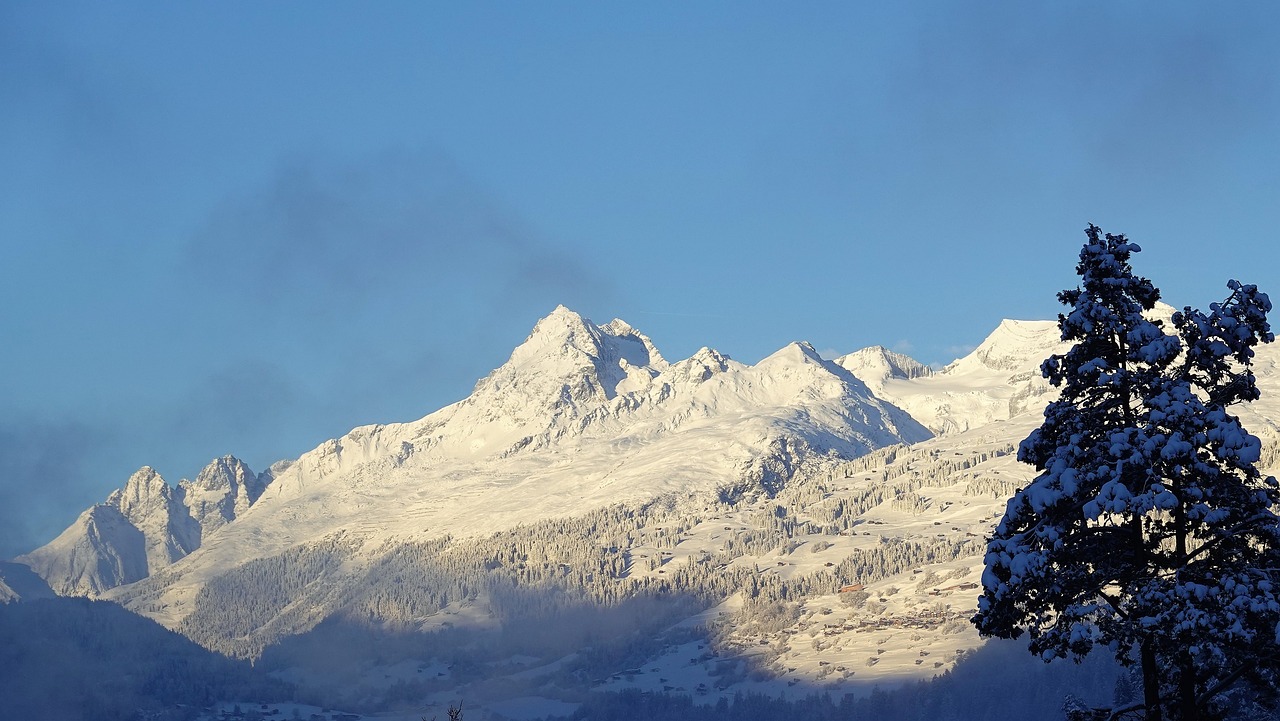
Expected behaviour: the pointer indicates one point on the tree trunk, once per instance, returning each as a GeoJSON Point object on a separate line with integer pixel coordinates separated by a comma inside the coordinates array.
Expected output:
{"type": "Point", "coordinates": [1150, 683]}
{"type": "Point", "coordinates": [1188, 710]}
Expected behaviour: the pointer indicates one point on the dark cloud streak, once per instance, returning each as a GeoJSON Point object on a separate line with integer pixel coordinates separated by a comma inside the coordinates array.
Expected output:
{"type": "Point", "coordinates": [341, 232]}
{"type": "Point", "coordinates": [1137, 92]}
{"type": "Point", "coordinates": [47, 475]}
{"type": "Point", "coordinates": [234, 409]}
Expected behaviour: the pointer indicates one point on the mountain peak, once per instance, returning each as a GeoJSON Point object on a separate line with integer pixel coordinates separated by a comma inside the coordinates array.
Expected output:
{"type": "Point", "coordinates": [700, 366]}
{"type": "Point", "coordinates": [1014, 345]}
{"type": "Point", "coordinates": [559, 321]}
{"type": "Point", "coordinates": [566, 348]}
{"type": "Point", "coordinates": [794, 352]}
{"type": "Point", "coordinates": [618, 326]}
{"type": "Point", "coordinates": [998, 380]}
{"type": "Point", "coordinates": [222, 473]}
{"type": "Point", "coordinates": [876, 365]}
{"type": "Point", "coordinates": [144, 476]}
{"type": "Point", "coordinates": [223, 491]}
{"type": "Point", "coordinates": [145, 491]}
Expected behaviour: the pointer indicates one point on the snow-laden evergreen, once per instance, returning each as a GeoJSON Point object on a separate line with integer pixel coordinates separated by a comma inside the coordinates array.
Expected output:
{"type": "Point", "coordinates": [1149, 529]}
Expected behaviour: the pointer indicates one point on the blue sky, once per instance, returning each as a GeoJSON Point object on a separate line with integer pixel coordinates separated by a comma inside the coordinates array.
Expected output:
{"type": "Point", "coordinates": [246, 228]}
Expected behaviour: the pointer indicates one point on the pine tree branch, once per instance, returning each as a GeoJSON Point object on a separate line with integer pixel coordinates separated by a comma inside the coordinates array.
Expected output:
{"type": "Point", "coordinates": [1230, 679]}
{"type": "Point", "coordinates": [1229, 533]}
{"type": "Point", "coordinates": [1134, 707]}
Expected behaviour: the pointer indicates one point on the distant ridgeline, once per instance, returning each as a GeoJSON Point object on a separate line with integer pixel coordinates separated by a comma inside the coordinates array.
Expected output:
{"type": "Point", "coordinates": [594, 519]}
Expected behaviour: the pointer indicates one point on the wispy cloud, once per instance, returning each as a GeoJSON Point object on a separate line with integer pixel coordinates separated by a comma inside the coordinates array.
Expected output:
{"type": "Point", "coordinates": [1167, 90]}
{"type": "Point", "coordinates": [235, 407]}
{"type": "Point", "coordinates": [45, 472]}
{"type": "Point", "coordinates": [339, 232]}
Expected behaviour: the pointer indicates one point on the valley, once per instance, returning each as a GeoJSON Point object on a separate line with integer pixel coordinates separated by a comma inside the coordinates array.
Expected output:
{"type": "Point", "coordinates": [596, 520]}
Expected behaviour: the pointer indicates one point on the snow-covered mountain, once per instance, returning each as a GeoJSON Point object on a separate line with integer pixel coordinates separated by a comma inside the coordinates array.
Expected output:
{"type": "Point", "coordinates": [573, 384]}
{"type": "Point", "coordinates": [580, 416]}
{"type": "Point", "coordinates": [143, 527]}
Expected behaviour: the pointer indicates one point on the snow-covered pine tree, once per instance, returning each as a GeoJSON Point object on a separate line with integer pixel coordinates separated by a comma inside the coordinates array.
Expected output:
{"type": "Point", "coordinates": [1148, 530]}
